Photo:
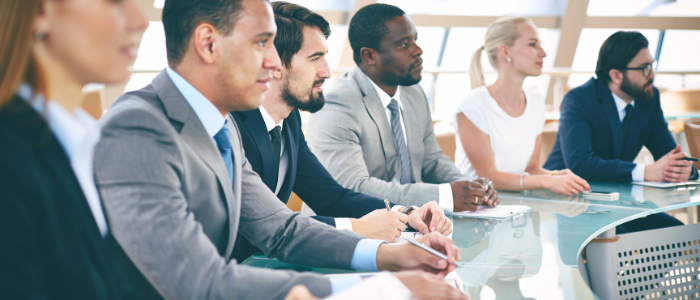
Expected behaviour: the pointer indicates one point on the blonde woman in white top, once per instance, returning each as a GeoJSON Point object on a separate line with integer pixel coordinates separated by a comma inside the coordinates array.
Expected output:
{"type": "Point", "coordinates": [501, 124]}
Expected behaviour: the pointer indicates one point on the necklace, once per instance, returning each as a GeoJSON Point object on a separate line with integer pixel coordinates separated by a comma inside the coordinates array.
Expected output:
{"type": "Point", "coordinates": [505, 103]}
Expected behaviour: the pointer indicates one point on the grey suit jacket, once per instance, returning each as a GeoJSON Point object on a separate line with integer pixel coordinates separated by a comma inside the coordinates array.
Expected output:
{"type": "Point", "coordinates": [171, 207]}
{"type": "Point", "coordinates": [352, 138]}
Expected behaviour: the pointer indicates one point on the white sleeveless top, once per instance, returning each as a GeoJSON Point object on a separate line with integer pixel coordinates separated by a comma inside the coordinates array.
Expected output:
{"type": "Point", "coordinates": [512, 139]}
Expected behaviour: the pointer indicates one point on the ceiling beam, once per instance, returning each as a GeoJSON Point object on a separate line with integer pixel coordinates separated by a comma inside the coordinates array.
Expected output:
{"type": "Point", "coordinates": [475, 21]}
{"type": "Point", "coordinates": [662, 23]}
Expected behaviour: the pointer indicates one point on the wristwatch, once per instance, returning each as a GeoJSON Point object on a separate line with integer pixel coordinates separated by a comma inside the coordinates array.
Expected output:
{"type": "Point", "coordinates": [408, 209]}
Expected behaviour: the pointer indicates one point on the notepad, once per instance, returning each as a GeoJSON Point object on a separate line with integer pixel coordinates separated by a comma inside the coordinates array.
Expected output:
{"type": "Point", "coordinates": [498, 212]}
{"type": "Point", "coordinates": [666, 185]}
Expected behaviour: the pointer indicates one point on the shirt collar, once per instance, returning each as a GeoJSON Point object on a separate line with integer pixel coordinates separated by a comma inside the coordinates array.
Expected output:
{"type": "Point", "coordinates": [384, 97]}
{"type": "Point", "coordinates": [76, 132]}
{"type": "Point", "coordinates": [269, 122]}
{"type": "Point", "coordinates": [620, 104]}
{"type": "Point", "coordinates": [207, 113]}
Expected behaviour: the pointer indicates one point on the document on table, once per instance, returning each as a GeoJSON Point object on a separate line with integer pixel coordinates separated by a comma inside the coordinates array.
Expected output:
{"type": "Point", "coordinates": [498, 212]}
{"type": "Point", "coordinates": [384, 286]}
{"type": "Point", "coordinates": [375, 286]}
{"type": "Point", "coordinates": [666, 185]}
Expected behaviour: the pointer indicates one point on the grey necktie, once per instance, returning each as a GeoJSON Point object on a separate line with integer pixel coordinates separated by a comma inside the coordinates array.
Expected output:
{"type": "Point", "coordinates": [403, 171]}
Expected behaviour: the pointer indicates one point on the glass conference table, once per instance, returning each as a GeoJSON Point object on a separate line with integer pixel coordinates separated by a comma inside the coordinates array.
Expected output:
{"type": "Point", "coordinates": [537, 255]}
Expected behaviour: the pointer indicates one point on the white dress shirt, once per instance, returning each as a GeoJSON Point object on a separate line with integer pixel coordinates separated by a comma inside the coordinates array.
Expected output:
{"type": "Point", "coordinates": [340, 223]}
{"type": "Point", "coordinates": [78, 134]}
{"type": "Point", "coordinates": [444, 189]}
{"type": "Point", "coordinates": [638, 171]}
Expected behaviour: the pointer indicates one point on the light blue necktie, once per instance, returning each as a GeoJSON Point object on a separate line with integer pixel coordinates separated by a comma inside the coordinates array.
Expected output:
{"type": "Point", "coordinates": [404, 164]}
{"type": "Point", "coordinates": [224, 144]}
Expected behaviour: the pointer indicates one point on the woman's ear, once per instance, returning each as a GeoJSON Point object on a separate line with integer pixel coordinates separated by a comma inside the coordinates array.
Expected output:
{"type": "Point", "coordinates": [42, 23]}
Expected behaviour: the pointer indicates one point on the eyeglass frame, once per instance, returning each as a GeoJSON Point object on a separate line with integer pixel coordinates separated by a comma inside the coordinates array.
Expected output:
{"type": "Point", "coordinates": [650, 67]}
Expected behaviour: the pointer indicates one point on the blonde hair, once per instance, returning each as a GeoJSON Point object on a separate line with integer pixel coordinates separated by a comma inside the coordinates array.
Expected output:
{"type": "Point", "coordinates": [17, 62]}
{"type": "Point", "coordinates": [503, 31]}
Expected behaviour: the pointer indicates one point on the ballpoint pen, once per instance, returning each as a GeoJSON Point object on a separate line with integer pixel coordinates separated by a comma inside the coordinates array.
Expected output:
{"type": "Point", "coordinates": [432, 251]}
{"type": "Point", "coordinates": [386, 202]}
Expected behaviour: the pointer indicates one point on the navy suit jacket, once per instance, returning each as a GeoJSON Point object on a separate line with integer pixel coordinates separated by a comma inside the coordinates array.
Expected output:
{"type": "Point", "coordinates": [589, 141]}
{"type": "Point", "coordinates": [306, 176]}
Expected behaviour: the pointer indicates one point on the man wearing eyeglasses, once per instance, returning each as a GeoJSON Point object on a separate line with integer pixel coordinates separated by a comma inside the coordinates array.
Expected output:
{"type": "Point", "coordinates": [606, 121]}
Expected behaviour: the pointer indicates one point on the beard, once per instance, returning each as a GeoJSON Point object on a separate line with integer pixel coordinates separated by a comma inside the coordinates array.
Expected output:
{"type": "Point", "coordinates": [637, 92]}
{"type": "Point", "coordinates": [314, 104]}
{"type": "Point", "coordinates": [406, 80]}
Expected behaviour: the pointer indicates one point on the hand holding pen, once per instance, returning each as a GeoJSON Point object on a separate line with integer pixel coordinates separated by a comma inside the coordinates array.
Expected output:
{"type": "Point", "coordinates": [491, 198]}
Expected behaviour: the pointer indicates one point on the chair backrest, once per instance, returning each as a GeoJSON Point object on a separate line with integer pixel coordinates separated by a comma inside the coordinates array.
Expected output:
{"type": "Point", "coordinates": [448, 144]}
{"type": "Point", "coordinates": [692, 134]}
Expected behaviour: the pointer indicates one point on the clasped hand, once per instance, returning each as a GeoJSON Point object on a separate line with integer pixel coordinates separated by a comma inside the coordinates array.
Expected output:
{"type": "Point", "coordinates": [388, 225]}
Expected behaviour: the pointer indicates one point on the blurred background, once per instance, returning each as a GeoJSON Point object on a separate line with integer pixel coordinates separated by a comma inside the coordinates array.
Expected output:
{"type": "Point", "coordinates": [449, 31]}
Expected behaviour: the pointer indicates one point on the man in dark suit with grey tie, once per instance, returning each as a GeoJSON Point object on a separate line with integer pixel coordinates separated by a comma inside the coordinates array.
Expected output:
{"type": "Point", "coordinates": [276, 147]}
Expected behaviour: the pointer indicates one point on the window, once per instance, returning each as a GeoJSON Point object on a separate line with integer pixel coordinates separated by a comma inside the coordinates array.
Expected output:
{"type": "Point", "coordinates": [655, 8]}
{"type": "Point", "coordinates": [315, 5]}
{"type": "Point", "coordinates": [592, 39]}
{"type": "Point", "coordinates": [481, 8]}
{"type": "Point", "coordinates": [336, 42]}
{"type": "Point", "coordinates": [151, 55]}
{"type": "Point", "coordinates": [680, 51]}
{"type": "Point", "coordinates": [430, 39]}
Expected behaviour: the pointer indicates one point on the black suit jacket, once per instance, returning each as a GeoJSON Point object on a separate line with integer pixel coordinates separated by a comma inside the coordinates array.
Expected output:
{"type": "Point", "coordinates": [306, 176]}
{"type": "Point", "coordinates": [589, 141]}
{"type": "Point", "coordinates": [50, 243]}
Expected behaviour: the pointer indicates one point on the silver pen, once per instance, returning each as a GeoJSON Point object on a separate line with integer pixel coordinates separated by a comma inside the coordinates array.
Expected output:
{"type": "Point", "coordinates": [432, 251]}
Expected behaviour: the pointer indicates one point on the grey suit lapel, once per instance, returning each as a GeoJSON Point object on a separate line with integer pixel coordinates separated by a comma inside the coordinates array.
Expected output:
{"type": "Point", "coordinates": [414, 139]}
{"type": "Point", "coordinates": [234, 206]}
{"type": "Point", "coordinates": [193, 132]}
{"type": "Point", "coordinates": [376, 111]}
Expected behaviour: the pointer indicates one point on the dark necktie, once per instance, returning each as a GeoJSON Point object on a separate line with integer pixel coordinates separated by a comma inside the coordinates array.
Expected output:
{"type": "Point", "coordinates": [626, 122]}
{"type": "Point", "coordinates": [224, 144]}
{"type": "Point", "coordinates": [403, 171]}
{"type": "Point", "coordinates": [276, 139]}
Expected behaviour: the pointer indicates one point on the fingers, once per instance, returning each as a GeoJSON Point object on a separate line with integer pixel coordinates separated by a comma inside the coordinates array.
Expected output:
{"type": "Point", "coordinates": [419, 224]}
{"type": "Point", "coordinates": [299, 292]}
{"type": "Point", "coordinates": [676, 177]}
{"type": "Point", "coordinates": [446, 227]}
{"type": "Point", "coordinates": [583, 183]}
{"type": "Point", "coordinates": [575, 187]}
{"type": "Point", "coordinates": [675, 150]}
{"type": "Point", "coordinates": [680, 163]}
{"type": "Point", "coordinates": [403, 218]}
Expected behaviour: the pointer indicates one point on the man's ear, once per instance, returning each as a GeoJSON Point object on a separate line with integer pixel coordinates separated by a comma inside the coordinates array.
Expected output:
{"type": "Point", "coordinates": [369, 56]}
{"type": "Point", "coordinates": [203, 40]}
{"type": "Point", "coordinates": [616, 76]}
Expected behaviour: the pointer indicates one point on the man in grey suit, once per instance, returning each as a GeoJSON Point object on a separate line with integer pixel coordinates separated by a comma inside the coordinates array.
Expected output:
{"type": "Point", "coordinates": [375, 133]}
{"type": "Point", "coordinates": [177, 187]}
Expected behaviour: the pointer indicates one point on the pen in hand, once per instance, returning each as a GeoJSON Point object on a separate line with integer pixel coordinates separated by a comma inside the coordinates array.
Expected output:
{"type": "Point", "coordinates": [386, 202]}
{"type": "Point", "coordinates": [432, 251]}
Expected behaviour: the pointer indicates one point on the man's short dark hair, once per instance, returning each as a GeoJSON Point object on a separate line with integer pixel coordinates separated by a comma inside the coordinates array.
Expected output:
{"type": "Point", "coordinates": [181, 17]}
{"type": "Point", "coordinates": [368, 27]}
{"type": "Point", "coordinates": [617, 52]}
{"type": "Point", "coordinates": [291, 19]}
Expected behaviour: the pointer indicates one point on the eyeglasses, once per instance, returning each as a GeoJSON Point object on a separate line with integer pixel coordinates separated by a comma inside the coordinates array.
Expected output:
{"type": "Point", "coordinates": [646, 69]}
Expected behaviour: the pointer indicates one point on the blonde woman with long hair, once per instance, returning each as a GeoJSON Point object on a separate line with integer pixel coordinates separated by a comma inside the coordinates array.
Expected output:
{"type": "Point", "coordinates": [53, 232]}
{"type": "Point", "coordinates": [499, 126]}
